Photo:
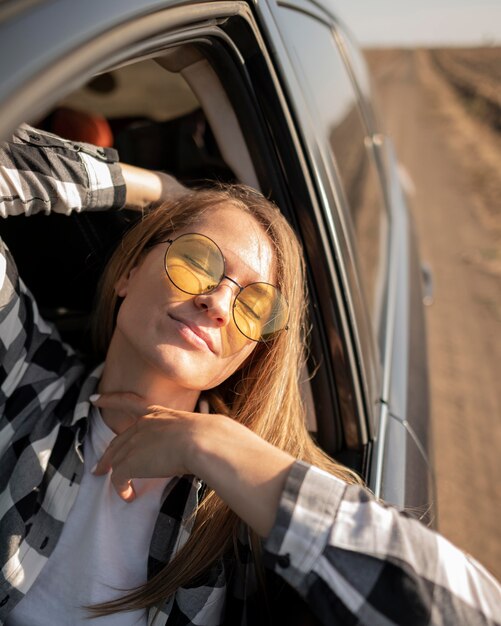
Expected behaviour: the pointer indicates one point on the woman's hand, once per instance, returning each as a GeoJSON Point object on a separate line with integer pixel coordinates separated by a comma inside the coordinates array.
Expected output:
{"type": "Point", "coordinates": [155, 445]}
{"type": "Point", "coordinates": [245, 471]}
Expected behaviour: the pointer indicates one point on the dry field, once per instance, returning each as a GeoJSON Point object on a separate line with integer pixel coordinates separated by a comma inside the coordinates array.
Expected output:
{"type": "Point", "coordinates": [442, 109]}
{"type": "Point", "coordinates": [476, 75]}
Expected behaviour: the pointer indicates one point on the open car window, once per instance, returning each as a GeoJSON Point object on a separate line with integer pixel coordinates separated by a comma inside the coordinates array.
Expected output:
{"type": "Point", "coordinates": [195, 110]}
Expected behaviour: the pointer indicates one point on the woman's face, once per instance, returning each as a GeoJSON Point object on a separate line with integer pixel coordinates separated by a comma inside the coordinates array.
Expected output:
{"type": "Point", "coordinates": [192, 340]}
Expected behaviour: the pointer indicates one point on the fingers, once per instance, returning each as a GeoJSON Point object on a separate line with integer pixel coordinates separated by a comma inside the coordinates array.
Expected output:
{"type": "Point", "coordinates": [129, 455]}
{"type": "Point", "coordinates": [113, 452]}
{"type": "Point", "coordinates": [115, 458]}
{"type": "Point", "coordinates": [123, 484]}
{"type": "Point", "coordinates": [127, 493]}
{"type": "Point", "coordinates": [132, 406]}
{"type": "Point", "coordinates": [151, 446]}
{"type": "Point", "coordinates": [103, 466]}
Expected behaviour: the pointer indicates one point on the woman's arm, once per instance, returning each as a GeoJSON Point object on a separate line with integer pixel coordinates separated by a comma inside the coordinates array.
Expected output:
{"type": "Point", "coordinates": [356, 560]}
{"type": "Point", "coordinates": [353, 559]}
{"type": "Point", "coordinates": [40, 172]}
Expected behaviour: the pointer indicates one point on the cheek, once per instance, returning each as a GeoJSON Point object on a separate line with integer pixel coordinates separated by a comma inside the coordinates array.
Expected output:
{"type": "Point", "coordinates": [130, 317]}
{"type": "Point", "coordinates": [233, 342]}
{"type": "Point", "coordinates": [141, 306]}
{"type": "Point", "coordinates": [230, 365]}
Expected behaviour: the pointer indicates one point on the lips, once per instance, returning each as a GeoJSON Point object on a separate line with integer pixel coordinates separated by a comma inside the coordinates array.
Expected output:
{"type": "Point", "coordinates": [196, 330]}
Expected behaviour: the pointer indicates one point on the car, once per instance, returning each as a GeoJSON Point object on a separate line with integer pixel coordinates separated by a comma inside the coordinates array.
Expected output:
{"type": "Point", "coordinates": [274, 94]}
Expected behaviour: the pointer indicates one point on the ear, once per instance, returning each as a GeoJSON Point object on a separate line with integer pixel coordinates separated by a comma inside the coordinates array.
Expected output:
{"type": "Point", "coordinates": [122, 284]}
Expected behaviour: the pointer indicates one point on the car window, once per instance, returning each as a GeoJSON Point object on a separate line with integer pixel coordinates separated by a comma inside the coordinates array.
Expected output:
{"type": "Point", "coordinates": [341, 129]}
{"type": "Point", "coordinates": [155, 120]}
{"type": "Point", "coordinates": [155, 99]}
{"type": "Point", "coordinates": [361, 75]}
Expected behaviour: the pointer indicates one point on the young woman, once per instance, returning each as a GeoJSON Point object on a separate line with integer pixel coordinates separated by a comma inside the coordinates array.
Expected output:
{"type": "Point", "coordinates": [176, 483]}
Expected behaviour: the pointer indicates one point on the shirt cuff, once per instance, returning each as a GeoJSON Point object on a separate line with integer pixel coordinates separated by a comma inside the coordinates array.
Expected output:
{"type": "Point", "coordinates": [306, 514]}
{"type": "Point", "coordinates": [106, 184]}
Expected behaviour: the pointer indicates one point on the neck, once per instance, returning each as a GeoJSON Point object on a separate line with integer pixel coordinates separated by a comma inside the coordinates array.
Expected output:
{"type": "Point", "coordinates": [125, 372]}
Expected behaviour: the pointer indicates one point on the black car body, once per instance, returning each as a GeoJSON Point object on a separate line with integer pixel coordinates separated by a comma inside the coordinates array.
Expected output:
{"type": "Point", "coordinates": [274, 94]}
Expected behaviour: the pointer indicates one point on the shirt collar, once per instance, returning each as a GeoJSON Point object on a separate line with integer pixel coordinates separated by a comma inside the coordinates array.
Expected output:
{"type": "Point", "coordinates": [83, 406]}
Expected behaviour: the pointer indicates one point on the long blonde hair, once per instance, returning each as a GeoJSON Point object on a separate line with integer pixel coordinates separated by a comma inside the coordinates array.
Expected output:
{"type": "Point", "coordinates": [264, 395]}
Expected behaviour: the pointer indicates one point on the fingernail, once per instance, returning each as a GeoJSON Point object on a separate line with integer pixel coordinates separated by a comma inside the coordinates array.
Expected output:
{"type": "Point", "coordinates": [95, 397]}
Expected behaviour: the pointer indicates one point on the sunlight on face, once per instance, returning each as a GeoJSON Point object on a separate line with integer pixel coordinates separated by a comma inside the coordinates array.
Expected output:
{"type": "Point", "coordinates": [192, 338]}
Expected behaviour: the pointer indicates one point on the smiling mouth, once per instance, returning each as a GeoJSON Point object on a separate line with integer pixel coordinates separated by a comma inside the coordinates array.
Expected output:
{"type": "Point", "coordinates": [193, 334]}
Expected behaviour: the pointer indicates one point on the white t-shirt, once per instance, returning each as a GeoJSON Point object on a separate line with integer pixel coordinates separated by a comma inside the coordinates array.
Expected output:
{"type": "Point", "coordinates": [102, 551]}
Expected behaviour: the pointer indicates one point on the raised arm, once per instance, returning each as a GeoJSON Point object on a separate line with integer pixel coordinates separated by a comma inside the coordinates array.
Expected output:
{"type": "Point", "coordinates": [40, 172]}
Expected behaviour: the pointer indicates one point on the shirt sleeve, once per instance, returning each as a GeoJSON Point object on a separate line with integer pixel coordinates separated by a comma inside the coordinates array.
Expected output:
{"type": "Point", "coordinates": [40, 172]}
{"type": "Point", "coordinates": [33, 359]}
{"type": "Point", "coordinates": [357, 561]}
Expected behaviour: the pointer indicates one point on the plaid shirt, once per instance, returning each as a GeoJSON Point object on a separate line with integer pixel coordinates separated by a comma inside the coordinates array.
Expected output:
{"type": "Point", "coordinates": [352, 560]}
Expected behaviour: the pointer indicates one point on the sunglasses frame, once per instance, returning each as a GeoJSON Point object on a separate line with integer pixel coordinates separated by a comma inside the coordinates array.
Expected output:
{"type": "Point", "coordinates": [232, 280]}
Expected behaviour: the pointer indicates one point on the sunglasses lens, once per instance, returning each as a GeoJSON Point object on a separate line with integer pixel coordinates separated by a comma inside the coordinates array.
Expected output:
{"type": "Point", "coordinates": [194, 264]}
{"type": "Point", "coordinates": [260, 311]}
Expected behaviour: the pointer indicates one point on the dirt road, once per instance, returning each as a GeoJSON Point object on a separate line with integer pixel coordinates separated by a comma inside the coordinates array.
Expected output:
{"type": "Point", "coordinates": [454, 164]}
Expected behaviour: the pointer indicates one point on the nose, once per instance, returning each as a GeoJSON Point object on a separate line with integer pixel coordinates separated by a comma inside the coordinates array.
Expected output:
{"type": "Point", "coordinates": [218, 303]}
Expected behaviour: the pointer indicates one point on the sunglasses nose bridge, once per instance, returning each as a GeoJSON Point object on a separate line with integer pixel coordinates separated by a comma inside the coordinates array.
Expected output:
{"type": "Point", "coordinates": [240, 288]}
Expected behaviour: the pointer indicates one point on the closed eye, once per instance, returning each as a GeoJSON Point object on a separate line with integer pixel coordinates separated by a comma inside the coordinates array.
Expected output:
{"type": "Point", "coordinates": [194, 263]}
{"type": "Point", "coordinates": [249, 311]}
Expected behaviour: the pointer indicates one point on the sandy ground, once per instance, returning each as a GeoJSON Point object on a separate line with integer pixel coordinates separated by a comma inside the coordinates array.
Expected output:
{"type": "Point", "coordinates": [454, 164]}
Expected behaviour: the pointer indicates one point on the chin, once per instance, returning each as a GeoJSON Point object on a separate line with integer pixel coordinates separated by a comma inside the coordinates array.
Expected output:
{"type": "Point", "coordinates": [181, 367]}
